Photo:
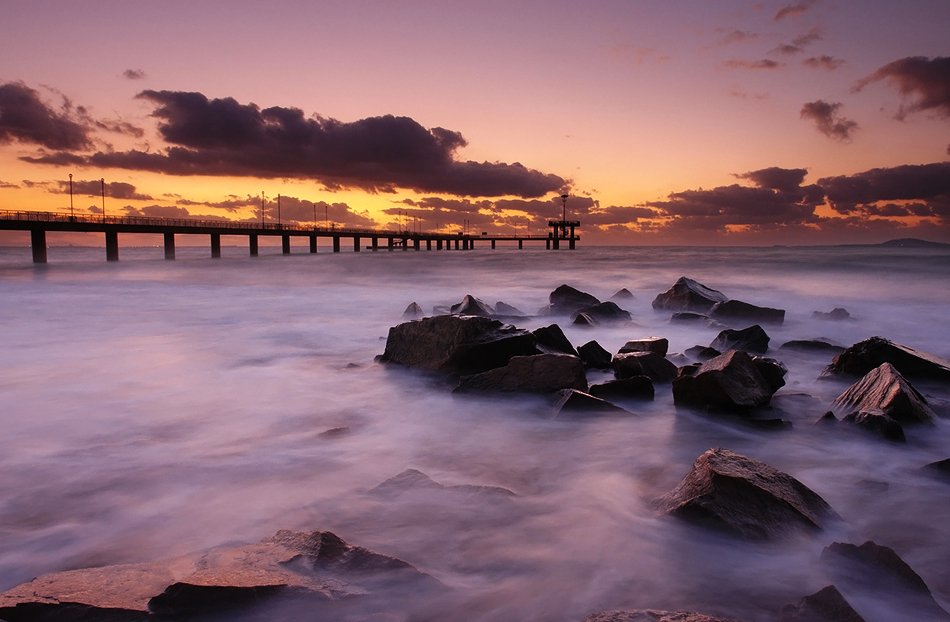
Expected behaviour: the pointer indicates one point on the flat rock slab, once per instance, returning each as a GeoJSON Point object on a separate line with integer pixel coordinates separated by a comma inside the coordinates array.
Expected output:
{"type": "Point", "coordinates": [660, 345]}
{"type": "Point", "coordinates": [594, 355]}
{"type": "Point", "coordinates": [884, 389]}
{"type": "Point", "coordinates": [540, 373]}
{"type": "Point", "coordinates": [688, 295]}
{"type": "Point", "coordinates": [864, 356]}
{"type": "Point", "coordinates": [653, 615]}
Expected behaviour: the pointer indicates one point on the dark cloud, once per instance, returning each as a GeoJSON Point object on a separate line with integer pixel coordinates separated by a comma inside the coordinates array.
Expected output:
{"type": "Point", "coordinates": [158, 211]}
{"type": "Point", "coordinates": [764, 63]}
{"type": "Point", "coordinates": [60, 158]}
{"type": "Point", "coordinates": [926, 81]}
{"type": "Point", "coordinates": [925, 183]}
{"type": "Point", "coordinates": [787, 50]}
{"type": "Point", "coordinates": [119, 127]}
{"type": "Point", "coordinates": [808, 38]}
{"type": "Point", "coordinates": [791, 10]}
{"type": "Point", "coordinates": [294, 209]}
{"type": "Point", "coordinates": [6, 184]}
{"type": "Point", "coordinates": [775, 178]}
{"type": "Point", "coordinates": [827, 120]}
{"type": "Point", "coordinates": [93, 187]}
{"type": "Point", "coordinates": [380, 154]}
{"type": "Point", "coordinates": [133, 74]}
{"type": "Point", "coordinates": [25, 118]}
{"type": "Point", "coordinates": [617, 215]}
{"type": "Point", "coordinates": [823, 62]}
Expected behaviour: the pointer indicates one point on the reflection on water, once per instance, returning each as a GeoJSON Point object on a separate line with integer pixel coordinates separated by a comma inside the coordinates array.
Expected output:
{"type": "Point", "coordinates": [152, 408]}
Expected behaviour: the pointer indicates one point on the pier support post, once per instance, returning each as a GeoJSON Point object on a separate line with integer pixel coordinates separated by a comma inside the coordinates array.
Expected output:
{"type": "Point", "coordinates": [391, 243]}
{"type": "Point", "coordinates": [356, 243]}
{"type": "Point", "coordinates": [313, 244]}
{"type": "Point", "coordinates": [456, 243]}
{"type": "Point", "coordinates": [252, 244]}
{"type": "Point", "coordinates": [112, 246]}
{"type": "Point", "coordinates": [428, 245]}
{"type": "Point", "coordinates": [169, 245]}
{"type": "Point", "coordinates": [38, 244]}
{"type": "Point", "coordinates": [493, 244]}
{"type": "Point", "coordinates": [416, 243]}
{"type": "Point", "coordinates": [375, 243]}
{"type": "Point", "coordinates": [571, 243]}
{"type": "Point", "coordinates": [336, 244]}
{"type": "Point", "coordinates": [215, 245]}
{"type": "Point", "coordinates": [405, 244]}
{"type": "Point", "coordinates": [438, 245]}
{"type": "Point", "coordinates": [520, 244]}
{"type": "Point", "coordinates": [285, 244]}
{"type": "Point", "coordinates": [547, 244]}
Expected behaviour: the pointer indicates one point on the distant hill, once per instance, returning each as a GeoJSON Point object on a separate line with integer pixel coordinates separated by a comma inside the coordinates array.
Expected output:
{"type": "Point", "coordinates": [914, 243]}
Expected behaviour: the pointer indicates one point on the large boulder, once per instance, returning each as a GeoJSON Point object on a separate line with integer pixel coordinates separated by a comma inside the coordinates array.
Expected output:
{"type": "Point", "coordinates": [552, 339]}
{"type": "Point", "coordinates": [750, 339]}
{"type": "Point", "coordinates": [635, 387]}
{"type": "Point", "coordinates": [603, 313]}
{"type": "Point", "coordinates": [862, 357]}
{"type": "Point", "coordinates": [660, 345]}
{"type": "Point", "coordinates": [877, 423]}
{"type": "Point", "coordinates": [649, 364]}
{"type": "Point", "coordinates": [731, 381]}
{"type": "Point", "coordinates": [653, 615]}
{"type": "Point", "coordinates": [456, 344]}
{"type": "Point", "coordinates": [413, 312]}
{"type": "Point", "coordinates": [595, 356]}
{"type": "Point", "coordinates": [565, 300]}
{"type": "Point", "coordinates": [574, 403]}
{"type": "Point", "coordinates": [836, 314]}
{"type": "Point", "coordinates": [539, 373]}
{"type": "Point", "coordinates": [825, 605]}
{"type": "Point", "coordinates": [884, 389]}
{"type": "Point", "coordinates": [688, 295]}
{"type": "Point", "coordinates": [738, 311]}
{"type": "Point", "coordinates": [622, 294]}
{"type": "Point", "coordinates": [470, 305]}
{"type": "Point", "coordinates": [503, 309]}
{"type": "Point", "coordinates": [772, 370]}
{"type": "Point", "coordinates": [745, 497]}
{"type": "Point", "coordinates": [820, 345]}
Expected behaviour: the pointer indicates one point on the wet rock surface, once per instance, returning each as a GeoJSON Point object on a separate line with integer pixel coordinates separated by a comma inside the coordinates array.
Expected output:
{"type": "Point", "coordinates": [604, 313]}
{"type": "Point", "coordinates": [653, 615]}
{"type": "Point", "coordinates": [877, 423]}
{"type": "Point", "coordinates": [634, 387]}
{"type": "Point", "coordinates": [812, 345]}
{"type": "Point", "coordinates": [730, 382]}
{"type": "Point", "coordinates": [572, 403]}
{"type": "Point", "coordinates": [649, 364]}
{"type": "Point", "coordinates": [551, 339]}
{"type": "Point", "coordinates": [884, 389]}
{"type": "Point", "coordinates": [659, 345]}
{"type": "Point", "coordinates": [864, 356]}
{"type": "Point", "coordinates": [413, 480]}
{"type": "Point", "coordinates": [825, 605]}
{"type": "Point", "coordinates": [750, 339]}
{"type": "Point", "coordinates": [595, 356]}
{"type": "Point", "coordinates": [470, 305]}
{"type": "Point", "coordinates": [688, 295]}
{"type": "Point", "coordinates": [540, 373]}
{"type": "Point", "coordinates": [730, 311]}
{"type": "Point", "coordinates": [566, 300]}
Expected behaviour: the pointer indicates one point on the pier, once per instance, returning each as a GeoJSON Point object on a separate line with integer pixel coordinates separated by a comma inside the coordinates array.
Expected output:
{"type": "Point", "coordinates": [39, 223]}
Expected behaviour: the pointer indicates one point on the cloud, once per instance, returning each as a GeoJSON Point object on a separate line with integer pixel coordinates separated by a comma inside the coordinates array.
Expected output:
{"type": "Point", "coordinates": [928, 184]}
{"type": "Point", "coordinates": [765, 63]}
{"type": "Point", "coordinates": [775, 178]}
{"type": "Point", "coordinates": [294, 209]}
{"type": "Point", "coordinates": [792, 10]}
{"type": "Point", "coordinates": [25, 118]}
{"type": "Point", "coordinates": [926, 81]}
{"type": "Point", "coordinates": [787, 49]}
{"type": "Point", "coordinates": [827, 120]}
{"type": "Point", "coordinates": [378, 154]}
{"type": "Point", "coordinates": [737, 36]}
{"type": "Point", "coordinates": [159, 211]}
{"type": "Point", "coordinates": [808, 38]}
{"type": "Point", "coordinates": [6, 185]}
{"type": "Point", "coordinates": [133, 74]}
{"type": "Point", "coordinates": [823, 62]}
{"type": "Point", "coordinates": [114, 189]}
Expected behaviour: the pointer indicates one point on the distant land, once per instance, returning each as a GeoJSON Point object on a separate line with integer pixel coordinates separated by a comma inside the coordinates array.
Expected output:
{"type": "Point", "coordinates": [914, 243]}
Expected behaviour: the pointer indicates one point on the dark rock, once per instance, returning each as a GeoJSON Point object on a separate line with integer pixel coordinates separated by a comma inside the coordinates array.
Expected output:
{"type": "Point", "coordinates": [622, 294]}
{"type": "Point", "coordinates": [827, 419]}
{"type": "Point", "coordinates": [745, 497]}
{"type": "Point", "coordinates": [571, 402]}
{"type": "Point", "coordinates": [750, 339]}
{"type": "Point", "coordinates": [582, 319]}
{"type": "Point", "coordinates": [335, 432]}
{"type": "Point", "coordinates": [604, 312]}
{"type": "Point", "coordinates": [456, 344]}
{"type": "Point", "coordinates": [415, 480]}
{"type": "Point", "coordinates": [772, 370]}
{"type": "Point", "coordinates": [738, 311]}
{"type": "Point", "coordinates": [940, 469]}
{"type": "Point", "coordinates": [565, 300]}
{"type": "Point", "coordinates": [649, 364]}
{"type": "Point", "coordinates": [539, 373]}
{"type": "Point", "coordinates": [659, 345]}
{"type": "Point", "coordinates": [471, 305]}
{"type": "Point", "coordinates": [835, 314]}
{"type": "Point", "coordinates": [877, 423]}
{"type": "Point", "coordinates": [688, 317]}
{"type": "Point", "coordinates": [653, 615]}
{"type": "Point", "coordinates": [885, 389]}
{"type": "Point", "coordinates": [551, 339]}
{"type": "Point", "coordinates": [862, 357]}
{"type": "Point", "coordinates": [811, 345]}
{"type": "Point", "coordinates": [730, 381]}
{"type": "Point", "coordinates": [825, 605]}
{"type": "Point", "coordinates": [879, 572]}
{"type": "Point", "coordinates": [413, 312]}
{"type": "Point", "coordinates": [688, 295]}
{"type": "Point", "coordinates": [506, 310]}
{"type": "Point", "coordinates": [595, 356]}
{"type": "Point", "coordinates": [702, 353]}
{"type": "Point", "coordinates": [638, 387]}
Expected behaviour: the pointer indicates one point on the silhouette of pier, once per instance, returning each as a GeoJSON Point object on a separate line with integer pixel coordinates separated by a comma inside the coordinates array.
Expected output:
{"type": "Point", "coordinates": [39, 223]}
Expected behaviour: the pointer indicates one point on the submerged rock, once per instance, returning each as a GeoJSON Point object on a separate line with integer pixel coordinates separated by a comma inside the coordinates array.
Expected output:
{"type": "Point", "coordinates": [837, 314]}
{"type": "Point", "coordinates": [738, 311]}
{"type": "Point", "coordinates": [470, 305]}
{"type": "Point", "coordinates": [413, 312]}
{"type": "Point", "coordinates": [812, 345]}
{"type": "Point", "coordinates": [539, 373]}
{"type": "Point", "coordinates": [571, 402]}
{"type": "Point", "coordinates": [506, 310]}
{"type": "Point", "coordinates": [864, 356]}
{"type": "Point", "coordinates": [637, 387]}
{"type": "Point", "coordinates": [730, 381]}
{"type": "Point", "coordinates": [415, 480]}
{"type": "Point", "coordinates": [884, 389]}
{"type": "Point", "coordinates": [595, 356]}
{"type": "Point", "coordinates": [551, 339]}
{"type": "Point", "coordinates": [825, 605]}
{"type": "Point", "coordinates": [940, 468]}
{"type": "Point", "coordinates": [702, 353]}
{"type": "Point", "coordinates": [688, 317]}
{"type": "Point", "coordinates": [660, 345]}
{"type": "Point", "coordinates": [605, 312]}
{"type": "Point", "coordinates": [688, 295]}
{"type": "Point", "coordinates": [750, 339]}
{"type": "Point", "coordinates": [622, 294]}
{"type": "Point", "coordinates": [565, 300]}
{"type": "Point", "coordinates": [745, 497]}
{"type": "Point", "coordinates": [653, 615]}
{"type": "Point", "coordinates": [649, 364]}
{"type": "Point", "coordinates": [877, 423]}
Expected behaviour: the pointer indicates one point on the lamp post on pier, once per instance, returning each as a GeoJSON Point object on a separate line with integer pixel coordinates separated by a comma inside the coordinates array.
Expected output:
{"type": "Point", "coordinates": [102, 181]}
{"type": "Point", "coordinates": [71, 214]}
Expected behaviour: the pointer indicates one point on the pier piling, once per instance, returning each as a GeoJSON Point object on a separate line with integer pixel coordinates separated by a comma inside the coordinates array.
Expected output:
{"type": "Point", "coordinates": [38, 244]}
{"type": "Point", "coordinates": [169, 246]}
{"type": "Point", "coordinates": [215, 245]}
{"type": "Point", "coordinates": [112, 246]}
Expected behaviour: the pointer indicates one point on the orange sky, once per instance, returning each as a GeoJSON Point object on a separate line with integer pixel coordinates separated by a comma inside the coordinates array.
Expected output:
{"type": "Point", "coordinates": [691, 122]}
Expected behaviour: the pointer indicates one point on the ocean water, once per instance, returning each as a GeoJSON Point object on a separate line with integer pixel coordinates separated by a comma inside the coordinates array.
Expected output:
{"type": "Point", "coordinates": [154, 408]}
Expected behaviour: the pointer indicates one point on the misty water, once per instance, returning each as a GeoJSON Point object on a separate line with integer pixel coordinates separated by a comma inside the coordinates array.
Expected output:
{"type": "Point", "coordinates": [154, 408]}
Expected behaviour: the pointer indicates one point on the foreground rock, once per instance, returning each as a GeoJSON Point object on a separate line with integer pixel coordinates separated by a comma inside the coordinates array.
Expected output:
{"type": "Point", "coordinates": [878, 424]}
{"type": "Point", "coordinates": [688, 295]}
{"type": "Point", "coordinates": [750, 339]}
{"type": "Point", "coordinates": [414, 480]}
{"type": "Point", "coordinates": [634, 387]}
{"type": "Point", "coordinates": [603, 313]}
{"type": "Point", "coordinates": [653, 615]}
{"type": "Point", "coordinates": [649, 364]}
{"type": "Point", "coordinates": [862, 357]}
{"type": "Point", "coordinates": [660, 345]}
{"type": "Point", "coordinates": [730, 382]}
{"type": "Point", "coordinates": [565, 300]}
{"type": "Point", "coordinates": [540, 373]}
{"type": "Point", "coordinates": [595, 356]}
{"type": "Point", "coordinates": [738, 311]}
{"type": "Point", "coordinates": [456, 344]}
{"type": "Point", "coordinates": [745, 497]}
{"type": "Point", "coordinates": [318, 568]}
{"type": "Point", "coordinates": [571, 403]}
{"type": "Point", "coordinates": [884, 389]}
{"type": "Point", "coordinates": [551, 339]}
{"type": "Point", "coordinates": [825, 605]}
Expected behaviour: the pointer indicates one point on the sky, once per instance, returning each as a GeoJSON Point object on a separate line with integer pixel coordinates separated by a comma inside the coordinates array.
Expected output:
{"type": "Point", "coordinates": [665, 122]}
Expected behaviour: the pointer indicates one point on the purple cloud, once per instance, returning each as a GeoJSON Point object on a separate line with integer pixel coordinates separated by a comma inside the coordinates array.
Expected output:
{"type": "Point", "coordinates": [925, 81]}
{"type": "Point", "coordinates": [25, 118]}
{"type": "Point", "coordinates": [827, 120]}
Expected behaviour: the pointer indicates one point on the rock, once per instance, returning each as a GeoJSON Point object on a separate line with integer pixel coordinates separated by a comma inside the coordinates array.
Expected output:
{"type": "Point", "coordinates": [885, 389]}
{"type": "Point", "coordinates": [638, 387]}
{"type": "Point", "coordinates": [622, 294]}
{"type": "Point", "coordinates": [471, 305]}
{"type": "Point", "coordinates": [825, 605]}
{"type": "Point", "coordinates": [440, 310]}
{"type": "Point", "coordinates": [751, 339]}
{"type": "Point", "coordinates": [648, 344]}
{"type": "Point", "coordinates": [738, 311]}
{"type": "Point", "coordinates": [862, 357]}
{"type": "Point", "coordinates": [812, 345]}
{"type": "Point", "coordinates": [604, 312]}
{"type": "Point", "coordinates": [571, 402]}
{"type": "Point", "coordinates": [539, 373]}
{"type": "Point", "coordinates": [565, 300]}
{"type": "Point", "coordinates": [653, 615]}
{"type": "Point", "coordinates": [595, 356]}
{"type": "Point", "coordinates": [688, 317]}
{"type": "Point", "coordinates": [688, 295]}
{"type": "Point", "coordinates": [828, 419]}
{"type": "Point", "coordinates": [551, 339]}
{"type": "Point", "coordinates": [879, 572]}
{"type": "Point", "coordinates": [772, 370]}
{"type": "Point", "coordinates": [456, 344]}
{"type": "Point", "coordinates": [505, 310]}
{"type": "Point", "coordinates": [837, 314]}
{"type": "Point", "coordinates": [413, 312]}
{"type": "Point", "coordinates": [415, 480]}
{"type": "Point", "coordinates": [876, 422]}
{"type": "Point", "coordinates": [730, 381]}
{"type": "Point", "coordinates": [745, 497]}
{"type": "Point", "coordinates": [702, 353]}
{"type": "Point", "coordinates": [582, 319]}
{"type": "Point", "coordinates": [649, 364]}
{"type": "Point", "coordinates": [940, 469]}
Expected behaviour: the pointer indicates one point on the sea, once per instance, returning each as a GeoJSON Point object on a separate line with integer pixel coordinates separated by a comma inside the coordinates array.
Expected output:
{"type": "Point", "coordinates": [152, 408]}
